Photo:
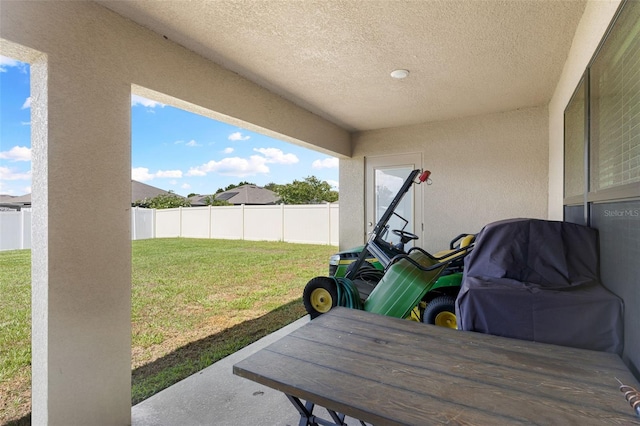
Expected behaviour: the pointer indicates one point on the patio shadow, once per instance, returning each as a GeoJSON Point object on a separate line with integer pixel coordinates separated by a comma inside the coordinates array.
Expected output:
{"type": "Point", "coordinates": [151, 378]}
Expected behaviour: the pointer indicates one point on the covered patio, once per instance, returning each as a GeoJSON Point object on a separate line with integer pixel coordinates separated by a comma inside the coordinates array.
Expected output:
{"type": "Point", "coordinates": [482, 107]}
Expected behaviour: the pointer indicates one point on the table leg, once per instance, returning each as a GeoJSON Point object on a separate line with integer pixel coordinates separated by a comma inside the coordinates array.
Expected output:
{"type": "Point", "coordinates": [305, 410]}
{"type": "Point", "coordinates": [308, 419]}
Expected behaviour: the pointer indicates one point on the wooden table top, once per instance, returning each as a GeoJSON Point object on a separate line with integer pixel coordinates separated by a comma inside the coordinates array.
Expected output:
{"type": "Point", "coordinates": [387, 371]}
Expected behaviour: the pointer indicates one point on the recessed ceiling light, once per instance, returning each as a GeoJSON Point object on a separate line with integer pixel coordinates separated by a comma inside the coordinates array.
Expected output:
{"type": "Point", "coordinates": [399, 74]}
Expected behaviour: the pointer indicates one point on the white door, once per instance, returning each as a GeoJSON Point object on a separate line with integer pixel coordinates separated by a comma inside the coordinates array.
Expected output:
{"type": "Point", "coordinates": [384, 177]}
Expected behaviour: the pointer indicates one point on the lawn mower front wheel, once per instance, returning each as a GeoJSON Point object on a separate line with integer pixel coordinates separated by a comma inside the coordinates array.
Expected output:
{"type": "Point", "coordinates": [441, 311]}
{"type": "Point", "coordinates": [319, 296]}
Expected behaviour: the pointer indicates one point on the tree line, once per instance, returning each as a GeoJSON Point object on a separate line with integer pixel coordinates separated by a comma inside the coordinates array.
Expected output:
{"type": "Point", "coordinates": [311, 190]}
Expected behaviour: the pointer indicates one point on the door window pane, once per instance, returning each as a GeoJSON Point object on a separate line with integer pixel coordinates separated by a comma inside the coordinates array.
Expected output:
{"type": "Point", "coordinates": [388, 182]}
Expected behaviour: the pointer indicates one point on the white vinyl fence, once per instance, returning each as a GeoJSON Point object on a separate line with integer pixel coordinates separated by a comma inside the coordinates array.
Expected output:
{"type": "Point", "coordinates": [15, 229]}
{"type": "Point", "coordinates": [306, 224]}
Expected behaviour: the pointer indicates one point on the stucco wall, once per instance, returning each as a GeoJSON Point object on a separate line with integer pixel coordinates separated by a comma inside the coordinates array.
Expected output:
{"type": "Point", "coordinates": [595, 20]}
{"type": "Point", "coordinates": [484, 169]}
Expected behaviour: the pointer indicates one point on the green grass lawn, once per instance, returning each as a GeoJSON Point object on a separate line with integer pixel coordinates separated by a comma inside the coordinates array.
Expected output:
{"type": "Point", "coordinates": [194, 302]}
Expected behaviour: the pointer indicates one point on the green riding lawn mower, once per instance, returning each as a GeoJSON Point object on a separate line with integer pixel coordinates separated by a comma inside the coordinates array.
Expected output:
{"type": "Point", "coordinates": [384, 278]}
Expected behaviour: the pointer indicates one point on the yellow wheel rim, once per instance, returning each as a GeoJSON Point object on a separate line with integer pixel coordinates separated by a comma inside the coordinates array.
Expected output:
{"type": "Point", "coordinates": [446, 319]}
{"type": "Point", "coordinates": [321, 300]}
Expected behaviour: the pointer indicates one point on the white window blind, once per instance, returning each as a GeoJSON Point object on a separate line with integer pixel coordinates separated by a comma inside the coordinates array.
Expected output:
{"type": "Point", "coordinates": [574, 135]}
{"type": "Point", "coordinates": [615, 106]}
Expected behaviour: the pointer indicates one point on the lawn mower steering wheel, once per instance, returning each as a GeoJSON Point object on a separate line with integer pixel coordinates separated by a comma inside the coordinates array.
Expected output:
{"type": "Point", "coordinates": [405, 236]}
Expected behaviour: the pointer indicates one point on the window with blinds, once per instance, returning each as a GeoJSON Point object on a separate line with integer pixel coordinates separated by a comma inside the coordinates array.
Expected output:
{"type": "Point", "coordinates": [615, 105]}
{"type": "Point", "coordinates": [602, 119]}
{"type": "Point", "coordinates": [602, 162]}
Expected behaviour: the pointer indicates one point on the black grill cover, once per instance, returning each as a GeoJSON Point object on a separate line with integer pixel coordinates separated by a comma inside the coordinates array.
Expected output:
{"type": "Point", "coordinates": [539, 280]}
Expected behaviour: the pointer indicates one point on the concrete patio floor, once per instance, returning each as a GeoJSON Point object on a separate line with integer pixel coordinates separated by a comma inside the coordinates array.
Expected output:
{"type": "Point", "coordinates": [215, 396]}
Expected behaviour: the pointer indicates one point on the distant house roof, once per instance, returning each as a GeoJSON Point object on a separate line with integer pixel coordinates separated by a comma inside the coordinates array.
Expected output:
{"type": "Point", "coordinates": [22, 199]}
{"type": "Point", "coordinates": [140, 191]}
{"type": "Point", "coordinates": [198, 200]}
{"type": "Point", "coordinates": [248, 194]}
{"type": "Point", "coordinates": [12, 202]}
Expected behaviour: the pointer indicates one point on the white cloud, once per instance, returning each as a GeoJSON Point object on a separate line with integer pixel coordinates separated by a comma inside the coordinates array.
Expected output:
{"type": "Point", "coordinates": [326, 163]}
{"type": "Point", "coordinates": [334, 184]}
{"type": "Point", "coordinates": [9, 190]}
{"type": "Point", "coordinates": [148, 103]}
{"type": "Point", "coordinates": [7, 63]}
{"type": "Point", "coordinates": [17, 153]}
{"type": "Point", "coordinates": [237, 136]}
{"type": "Point", "coordinates": [198, 171]}
{"type": "Point", "coordinates": [8, 174]}
{"type": "Point", "coordinates": [228, 150]}
{"type": "Point", "coordinates": [275, 155]}
{"type": "Point", "coordinates": [241, 167]}
{"type": "Point", "coordinates": [233, 166]}
{"type": "Point", "coordinates": [142, 174]}
{"type": "Point", "coordinates": [27, 103]}
{"type": "Point", "coordinates": [191, 143]}
{"type": "Point", "coordinates": [25, 123]}
{"type": "Point", "coordinates": [185, 186]}
{"type": "Point", "coordinates": [168, 174]}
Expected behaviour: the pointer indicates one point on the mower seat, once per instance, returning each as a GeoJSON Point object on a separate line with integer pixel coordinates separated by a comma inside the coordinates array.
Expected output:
{"type": "Point", "coordinates": [466, 240]}
{"type": "Point", "coordinates": [538, 280]}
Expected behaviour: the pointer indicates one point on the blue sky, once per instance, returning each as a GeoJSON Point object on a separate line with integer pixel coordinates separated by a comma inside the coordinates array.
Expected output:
{"type": "Point", "coordinates": [171, 149]}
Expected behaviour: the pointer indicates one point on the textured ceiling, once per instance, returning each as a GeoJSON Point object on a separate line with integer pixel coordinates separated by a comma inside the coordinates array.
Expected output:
{"type": "Point", "coordinates": [334, 57]}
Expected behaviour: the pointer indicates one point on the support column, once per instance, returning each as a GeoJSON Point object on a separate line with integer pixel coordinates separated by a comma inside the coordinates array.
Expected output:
{"type": "Point", "coordinates": [81, 270]}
